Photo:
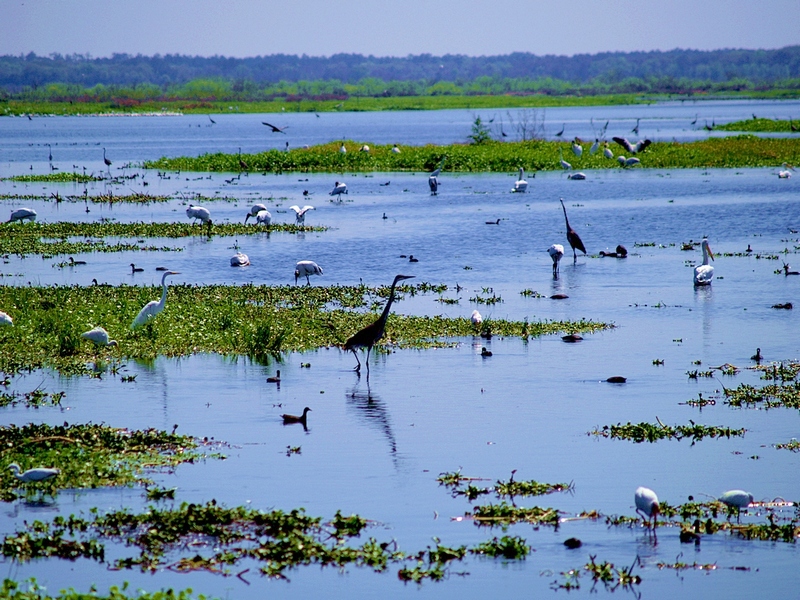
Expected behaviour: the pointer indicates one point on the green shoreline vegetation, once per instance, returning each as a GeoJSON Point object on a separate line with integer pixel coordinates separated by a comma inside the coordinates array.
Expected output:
{"type": "Point", "coordinates": [256, 321]}
{"type": "Point", "coordinates": [735, 151]}
{"type": "Point", "coordinates": [762, 125]}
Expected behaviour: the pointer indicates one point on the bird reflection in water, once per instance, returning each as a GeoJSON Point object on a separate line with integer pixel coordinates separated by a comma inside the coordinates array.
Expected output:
{"type": "Point", "coordinates": [372, 411]}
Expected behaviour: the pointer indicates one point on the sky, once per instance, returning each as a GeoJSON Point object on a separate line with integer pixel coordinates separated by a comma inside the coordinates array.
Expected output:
{"type": "Point", "coordinates": [242, 28]}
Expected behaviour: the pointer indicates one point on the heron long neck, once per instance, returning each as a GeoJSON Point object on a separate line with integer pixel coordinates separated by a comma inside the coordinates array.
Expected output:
{"type": "Point", "coordinates": [565, 215]}
{"type": "Point", "coordinates": [387, 308]}
{"type": "Point", "coordinates": [164, 292]}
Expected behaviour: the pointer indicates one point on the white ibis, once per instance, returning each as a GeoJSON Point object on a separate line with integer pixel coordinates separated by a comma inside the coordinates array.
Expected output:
{"type": "Point", "coordinates": [647, 504]}
{"type": "Point", "coordinates": [703, 274]}
{"type": "Point", "coordinates": [152, 308]}
{"type": "Point", "coordinates": [99, 336]}
{"type": "Point", "coordinates": [306, 268]}
{"type": "Point", "coordinates": [369, 335]}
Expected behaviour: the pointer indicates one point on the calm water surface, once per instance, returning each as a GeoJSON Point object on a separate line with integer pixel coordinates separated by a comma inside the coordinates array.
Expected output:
{"type": "Point", "coordinates": [375, 448]}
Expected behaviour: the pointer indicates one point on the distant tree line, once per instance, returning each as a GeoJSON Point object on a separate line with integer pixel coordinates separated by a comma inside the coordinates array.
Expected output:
{"type": "Point", "coordinates": [345, 75]}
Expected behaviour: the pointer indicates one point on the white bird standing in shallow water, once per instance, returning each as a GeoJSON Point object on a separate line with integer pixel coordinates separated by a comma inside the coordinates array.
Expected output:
{"type": "Point", "coordinates": [520, 185]}
{"type": "Point", "coordinates": [152, 308]}
{"type": "Point", "coordinates": [254, 210]}
{"type": "Point", "coordinates": [21, 214]}
{"type": "Point", "coordinates": [738, 499]}
{"type": "Point", "coordinates": [305, 268]}
{"type": "Point", "coordinates": [338, 189]}
{"type": "Point", "coordinates": [703, 274]}
{"type": "Point", "coordinates": [300, 213]}
{"type": "Point", "coordinates": [556, 251]}
{"type": "Point", "coordinates": [240, 259]}
{"type": "Point", "coordinates": [5, 319]}
{"type": "Point", "coordinates": [33, 475]}
{"type": "Point", "coordinates": [99, 336]}
{"type": "Point", "coordinates": [476, 318]}
{"type": "Point", "coordinates": [647, 504]}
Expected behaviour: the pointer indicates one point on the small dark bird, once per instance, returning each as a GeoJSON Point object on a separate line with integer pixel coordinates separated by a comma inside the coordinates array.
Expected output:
{"type": "Point", "coordinates": [484, 352]}
{"type": "Point", "coordinates": [787, 306]}
{"type": "Point", "coordinates": [787, 272]}
{"type": "Point", "coordinates": [287, 419]}
{"type": "Point", "coordinates": [573, 238]}
{"type": "Point", "coordinates": [572, 338]}
{"type": "Point", "coordinates": [622, 251]}
{"type": "Point", "coordinates": [559, 297]}
{"type": "Point", "coordinates": [275, 129]}
{"type": "Point", "coordinates": [384, 216]}
{"type": "Point", "coordinates": [73, 262]}
{"type": "Point", "coordinates": [493, 222]}
{"type": "Point", "coordinates": [636, 129]}
{"type": "Point", "coordinates": [412, 259]}
{"type": "Point", "coordinates": [276, 378]}
{"type": "Point", "coordinates": [573, 543]}
{"type": "Point", "coordinates": [135, 269]}
{"type": "Point", "coordinates": [213, 122]}
{"type": "Point", "coordinates": [616, 379]}
{"type": "Point", "coordinates": [162, 269]}
{"type": "Point", "coordinates": [757, 356]}
{"type": "Point", "coordinates": [560, 133]}
{"type": "Point", "coordinates": [369, 335]}
{"type": "Point", "coordinates": [749, 249]}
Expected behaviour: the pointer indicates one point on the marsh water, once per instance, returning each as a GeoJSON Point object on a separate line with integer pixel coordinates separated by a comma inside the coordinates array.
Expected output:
{"type": "Point", "coordinates": [376, 447]}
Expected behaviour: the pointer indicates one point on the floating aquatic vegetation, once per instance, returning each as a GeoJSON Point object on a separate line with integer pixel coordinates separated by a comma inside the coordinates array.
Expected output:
{"type": "Point", "coordinates": [510, 488]}
{"type": "Point", "coordinates": [607, 573]}
{"type": "Point", "coordinates": [62, 177]}
{"type": "Point", "coordinates": [766, 397]}
{"type": "Point", "coordinates": [509, 547]}
{"type": "Point", "coordinates": [504, 514]}
{"type": "Point", "coordinates": [31, 590]}
{"type": "Point", "coordinates": [90, 456]}
{"type": "Point", "coordinates": [259, 321]}
{"type": "Point", "coordinates": [32, 399]}
{"type": "Point", "coordinates": [649, 432]}
{"type": "Point", "coordinates": [792, 445]}
{"type": "Point", "coordinates": [779, 372]}
{"type": "Point", "coordinates": [700, 402]}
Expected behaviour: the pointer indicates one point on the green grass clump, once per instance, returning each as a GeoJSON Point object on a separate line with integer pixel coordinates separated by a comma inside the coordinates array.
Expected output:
{"type": "Point", "coordinates": [771, 125]}
{"type": "Point", "coordinates": [504, 514]}
{"type": "Point", "coordinates": [62, 177]}
{"type": "Point", "coordinates": [649, 432]}
{"type": "Point", "coordinates": [509, 547]}
{"type": "Point", "coordinates": [786, 395]}
{"type": "Point", "coordinates": [258, 321]}
{"type": "Point", "coordinates": [736, 151]}
{"type": "Point", "coordinates": [89, 456]}
{"type": "Point", "coordinates": [31, 590]}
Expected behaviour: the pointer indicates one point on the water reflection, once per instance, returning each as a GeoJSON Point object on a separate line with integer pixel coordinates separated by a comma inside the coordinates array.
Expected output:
{"type": "Point", "coordinates": [372, 411]}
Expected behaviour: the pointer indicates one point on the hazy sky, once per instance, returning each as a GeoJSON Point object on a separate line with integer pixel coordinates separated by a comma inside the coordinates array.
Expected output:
{"type": "Point", "coordinates": [242, 28]}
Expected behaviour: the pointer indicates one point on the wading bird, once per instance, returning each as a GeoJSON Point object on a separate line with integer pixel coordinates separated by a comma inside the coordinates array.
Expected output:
{"type": "Point", "coordinates": [263, 217]}
{"type": "Point", "coordinates": [338, 189]}
{"type": "Point", "coordinates": [213, 122]}
{"type": "Point", "coordinates": [395, 149]}
{"type": "Point", "coordinates": [577, 176]}
{"type": "Point", "coordinates": [577, 149]}
{"type": "Point", "coordinates": [306, 268]}
{"type": "Point", "coordinates": [5, 319]}
{"type": "Point", "coordinates": [369, 335]}
{"type": "Point", "coordinates": [254, 210]}
{"type": "Point", "coordinates": [303, 419]}
{"type": "Point", "coordinates": [99, 336]}
{"type": "Point", "coordinates": [433, 181]}
{"type": "Point", "coordinates": [560, 133]}
{"type": "Point", "coordinates": [607, 152]}
{"type": "Point", "coordinates": [520, 185]}
{"type": "Point", "coordinates": [636, 129]}
{"type": "Point", "coordinates": [564, 164]}
{"type": "Point", "coordinates": [33, 475]}
{"type": "Point", "coordinates": [476, 319]}
{"type": "Point", "coordinates": [242, 165]}
{"type": "Point", "coordinates": [572, 237]}
{"type": "Point", "coordinates": [695, 119]}
{"type": "Point", "coordinates": [198, 212]}
{"type": "Point", "coordinates": [628, 162]}
{"type": "Point", "coordinates": [49, 153]}
{"type": "Point", "coordinates": [364, 148]}
{"type": "Point", "coordinates": [737, 499]}
{"type": "Point", "coordinates": [556, 251]}
{"type": "Point", "coordinates": [639, 146]}
{"type": "Point", "coordinates": [152, 308]}
{"type": "Point", "coordinates": [595, 146]}
{"type": "Point", "coordinates": [275, 129]}
{"type": "Point", "coordinates": [300, 213]}
{"type": "Point", "coordinates": [647, 504]}
{"type": "Point", "coordinates": [787, 172]}
{"type": "Point", "coordinates": [342, 149]}
{"type": "Point", "coordinates": [703, 274]}
{"type": "Point", "coordinates": [21, 214]}
{"type": "Point", "coordinates": [240, 260]}
{"type": "Point", "coordinates": [106, 160]}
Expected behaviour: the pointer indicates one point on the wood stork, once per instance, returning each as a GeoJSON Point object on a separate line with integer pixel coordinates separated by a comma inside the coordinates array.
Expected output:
{"type": "Point", "coordinates": [595, 146]}
{"type": "Point", "coordinates": [306, 268]}
{"type": "Point", "coordinates": [647, 504]}
{"type": "Point", "coordinates": [556, 251]}
{"type": "Point", "coordinates": [152, 308]}
{"type": "Point", "coordinates": [22, 214]}
{"type": "Point", "coordinates": [254, 210]}
{"type": "Point", "coordinates": [395, 149]}
{"type": "Point", "coordinates": [639, 146]}
{"type": "Point", "coordinates": [33, 475]}
{"type": "Point", "coordinates": [703, 274]}
{"type": "Point", "coordinates": [607, 152]}
{"type": "Point", "coordinates": [520, 185]}
{"type": "Point", "coordinates": [5, 319]}
{"type": "Point", "coordinates": [300, 213]}
{"type": "Point", "coordinates": [198, 213]}
{"type": "Point", "coordinates": [303, 419]}
{"type": "Point", "coordinates": [572, 237]}
{"type": "Point", "coordinates": [99, 336]}
{"type": "Point", "coordinates": [240, 259]}
{"type": "Point", "coordinates": [342, 149]}
{"type": "Point", "coordinates": [577, 176]}
{"type": "Point", "coordinates": [338, 189]}
{"type": "Point", "coordinates": [476, 318]}
{"type": "Point", "coordinates": [577, 149]}
{"type": "Point", "coordinates": [364, 148]}
{"type": "Point", "coordinates": [564, 164]}
{"type": "Point", "coordinates": [737, 499]}
{"type": "Point", "coordinates": [628, 162]}
{"type": "Point", "coordinates": [369, 335]}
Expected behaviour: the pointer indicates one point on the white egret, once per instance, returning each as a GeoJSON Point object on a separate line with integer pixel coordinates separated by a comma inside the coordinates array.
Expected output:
{"type": "Point", "coordinates": [639, 146]}
{"type": "Point", "coordinates": [577, 149]}
{"type": "Point", "coordinates": [300, 213]}
{"type": "Point", "coordinates": [99, 336]}
{"type": "Point", "coordinates": [338, 189]}
{"type": "Point", "coordinates": [240, 260]}
{"type": "Point", "coordinates": [476, 318]}
{"type": "Point", "coordinates": [627, 162]}
{"type": "Point", "coordinates": [152, 308]}
{"type": "Point", "coordinates": [647, 504]}
{"type": "Point", "coordinates": [305, 268]}
{"type": "Point", "coordinates": [5, 319]}
{"type": "Point", "coordinates": [254, 210]}
{"type": "Point", "coordinates": [577, 176]}
{"type": "Point", "coordinates": [564, 164]}
{"type": "Point", "coordinates": [520, 185]}
{"type": "Point", "coordinates": [595, 146]}
{"type": "Point", "coordinates": [556, 251]}
{"type": "Point", "coordinates": [21, 214]}
{"type": "Point", "coordinates": [369, 335]}
{"type": "Point", "coordinates": [33, 475]}
{"type": "Point", "coordinates": [738, 499]}
{"type": "Point", "coordinates": [607, 152]}
{"type": "Point", "coordinates": [703, 274]}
